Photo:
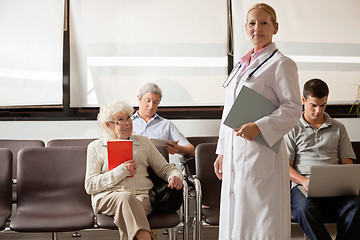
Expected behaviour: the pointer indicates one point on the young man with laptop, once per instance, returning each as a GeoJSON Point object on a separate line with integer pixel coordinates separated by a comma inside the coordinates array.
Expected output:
{"type": "Point", "coordinates": [318, 140]}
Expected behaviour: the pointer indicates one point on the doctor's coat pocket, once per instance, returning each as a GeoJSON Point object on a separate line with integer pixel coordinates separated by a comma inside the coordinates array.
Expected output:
{"type": "Point", "coordinates": [255, 84]}
{"type": "Point", "coordinates": [259, 161]}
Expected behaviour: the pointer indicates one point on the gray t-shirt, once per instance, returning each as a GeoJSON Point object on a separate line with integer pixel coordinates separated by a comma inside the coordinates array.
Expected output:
{"type": "Point", "coordinates": [309, 146]}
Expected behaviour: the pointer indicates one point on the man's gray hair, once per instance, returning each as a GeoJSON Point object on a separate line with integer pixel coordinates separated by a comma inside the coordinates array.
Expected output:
{"type": "Point", "coordinates": [150, 87]}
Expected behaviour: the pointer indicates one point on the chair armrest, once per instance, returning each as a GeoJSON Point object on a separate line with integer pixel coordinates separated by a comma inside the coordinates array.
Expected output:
{"type": "Point", "coordinates": [186, 208]}
{"type": "Point", "coordinates": [186, 158]}
{"type": "Point", "coordinates": [185, 189]}
{"type": "Point", "coordinates": [191, 179]}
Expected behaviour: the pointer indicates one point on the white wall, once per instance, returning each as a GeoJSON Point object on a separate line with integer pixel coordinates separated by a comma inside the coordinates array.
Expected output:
{"type": "Point", "coordinates": [352, 126]}
{"type": "Point", "coordinates": [47, 130]}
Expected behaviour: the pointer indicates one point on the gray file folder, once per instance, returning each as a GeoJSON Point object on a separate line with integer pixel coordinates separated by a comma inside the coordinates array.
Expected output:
{"type": "Point", "coordinates": [250, 106]}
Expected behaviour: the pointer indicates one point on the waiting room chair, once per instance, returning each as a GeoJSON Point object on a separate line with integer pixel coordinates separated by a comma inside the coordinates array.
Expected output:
{"type": "Point", "coordinates": [196, 140]}
{"type": "Point", "coordinates": [69, 142]}
{"type": "Point", "coordinates": [208, 189]}
{"type": "Point", "coordinates": [15, 145]}
{"type": "Point", "coordinates": [156, 220]}
{"type": "Point", "coordinates": [51, 193]}
{"type": "Point", "coordinates": [189, 164]}
{"type": "Point", "coordinates": [5, 186]}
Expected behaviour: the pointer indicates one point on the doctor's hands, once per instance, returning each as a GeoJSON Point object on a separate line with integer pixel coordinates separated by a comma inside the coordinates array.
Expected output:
{"type": "Point", "coordinates": [248, 131]}
{"type": "Point", "coordinates": [218, 166]}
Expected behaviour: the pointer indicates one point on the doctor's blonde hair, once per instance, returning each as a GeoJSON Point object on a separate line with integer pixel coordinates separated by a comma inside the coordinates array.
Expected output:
{"type": "Point", "coordinates": [267, 8]}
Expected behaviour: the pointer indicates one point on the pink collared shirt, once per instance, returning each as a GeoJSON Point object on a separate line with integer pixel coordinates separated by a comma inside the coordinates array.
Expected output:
{"type": "Point", "coordinates": [249, 57]}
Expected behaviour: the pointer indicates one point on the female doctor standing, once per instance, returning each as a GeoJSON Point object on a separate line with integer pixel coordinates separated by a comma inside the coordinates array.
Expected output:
{"type": "Point", "coordinates": [255, 200]}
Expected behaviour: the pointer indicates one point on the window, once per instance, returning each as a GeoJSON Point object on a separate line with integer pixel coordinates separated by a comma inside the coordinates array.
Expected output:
{"type": "Point", "coordinates": [118, 46]}
{"type": "Point", "coordinates": [31, 52]}
{"type": "Point", "coordinates": [320, 36]}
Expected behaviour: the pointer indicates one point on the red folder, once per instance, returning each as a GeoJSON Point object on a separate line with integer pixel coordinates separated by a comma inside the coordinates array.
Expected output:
{"type": "Point", "coordinates": [119, 151]}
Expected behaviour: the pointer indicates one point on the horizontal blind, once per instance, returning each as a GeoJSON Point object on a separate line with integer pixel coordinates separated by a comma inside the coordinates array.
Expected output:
{"type": "Point", "coordinates": [320, 36]}
{"type": "Point", "coordinates": [119, 45]}
{"type": "Point", "coordinates": [31, 52]}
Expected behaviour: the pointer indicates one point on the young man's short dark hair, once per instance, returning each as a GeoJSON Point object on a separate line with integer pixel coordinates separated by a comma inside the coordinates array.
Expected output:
{"type": "Point", "coordinates": [315, 88]}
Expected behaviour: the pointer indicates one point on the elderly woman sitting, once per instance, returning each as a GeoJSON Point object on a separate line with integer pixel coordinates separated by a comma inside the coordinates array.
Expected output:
{"type": "Point", "coordinates": [123, 191]}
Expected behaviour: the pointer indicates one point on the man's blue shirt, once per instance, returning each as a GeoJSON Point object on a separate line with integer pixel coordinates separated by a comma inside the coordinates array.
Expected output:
{"type": "Point", "coordinates": [159, 128]}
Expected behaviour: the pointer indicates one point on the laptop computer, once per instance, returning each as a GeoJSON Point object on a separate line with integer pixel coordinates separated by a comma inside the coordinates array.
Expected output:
{"type": "Point", "coordinates": [333, 181]}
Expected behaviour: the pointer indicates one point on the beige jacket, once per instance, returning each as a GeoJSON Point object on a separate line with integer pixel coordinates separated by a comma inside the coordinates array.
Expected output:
{"type": "Point", "coordinates": [99, 181]}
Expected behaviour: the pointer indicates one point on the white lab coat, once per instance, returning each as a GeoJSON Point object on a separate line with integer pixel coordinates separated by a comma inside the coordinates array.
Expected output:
{"type": "Point", "coordinates": [255, 199]}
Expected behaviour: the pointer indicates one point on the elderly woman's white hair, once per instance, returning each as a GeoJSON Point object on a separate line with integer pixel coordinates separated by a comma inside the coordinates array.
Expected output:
{"type": "Point", "coordinates": [107, 112]}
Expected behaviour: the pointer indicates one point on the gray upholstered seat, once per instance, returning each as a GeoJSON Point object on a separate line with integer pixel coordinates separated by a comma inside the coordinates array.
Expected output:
{"type": "Point", "coordinates": [208, 188]}
{"type": "Point", "coordinates": [51, 193]}
{"type": "Point", "coordinates": [15, 145]}
{"type": "Point", "coordinates": [70, 142]}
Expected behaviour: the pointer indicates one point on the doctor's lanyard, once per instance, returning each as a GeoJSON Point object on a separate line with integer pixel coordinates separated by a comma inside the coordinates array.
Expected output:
{"type": "Point", "coordinates": [237, 67]}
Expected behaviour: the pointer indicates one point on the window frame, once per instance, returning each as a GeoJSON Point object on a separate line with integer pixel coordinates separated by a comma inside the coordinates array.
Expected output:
{"type": "Point", "coordinates": [66, 113]}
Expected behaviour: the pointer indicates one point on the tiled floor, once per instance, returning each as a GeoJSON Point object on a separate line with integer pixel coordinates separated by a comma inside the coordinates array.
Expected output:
{"type": "Point", "coordinates": [100, 234]}
{"type": "Point", "coordinates": [208, 233]}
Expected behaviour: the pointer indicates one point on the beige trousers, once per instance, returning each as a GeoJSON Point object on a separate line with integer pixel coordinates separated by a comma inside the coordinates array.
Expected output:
{"type": "Point", "coordinates": [129, 212]}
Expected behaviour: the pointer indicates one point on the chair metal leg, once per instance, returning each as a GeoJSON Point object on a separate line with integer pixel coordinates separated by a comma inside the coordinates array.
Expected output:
{"type": "Point", "coordinates": [194, 229]}
{"type": "Point", "coordinates": [54, 236]}
{"type": "Point", "coordinates": [186, 211]}
{"type": "Point", "coordinates": [172, 234]}
{"type": "Point", "coordinates": [197, 220]}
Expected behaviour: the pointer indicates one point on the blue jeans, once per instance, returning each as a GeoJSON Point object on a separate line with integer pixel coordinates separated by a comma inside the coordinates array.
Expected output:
{"type": "Point", "coordinates": [312, 213]}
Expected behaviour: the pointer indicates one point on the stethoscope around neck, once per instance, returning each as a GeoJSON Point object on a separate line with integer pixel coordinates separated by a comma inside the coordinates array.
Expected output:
{"type": "Point", "coordinates": [237, 67]}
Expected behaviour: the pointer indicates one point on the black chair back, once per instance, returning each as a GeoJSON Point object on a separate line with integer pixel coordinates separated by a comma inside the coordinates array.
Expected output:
{"type": "Point", "coordinates": [163, 150]}
{"type": "Point", "coordinates": [190, 165]}
{"type": "Point", "coordinates": [5, 186]}
{"type": "Point", "coordinates": [204, 139]}
{"type": "Point", "coordinates": [205, 157]}
{"type": "Point", "coordinates": [356, 147]}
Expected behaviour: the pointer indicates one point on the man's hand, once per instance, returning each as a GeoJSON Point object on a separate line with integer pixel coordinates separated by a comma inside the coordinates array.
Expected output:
{"type": "Point", "coordinates": [173, 147]}
{"type": "Point", "coordinates": [305, 183]}
{"type": "Point", "coordinates": [297, 177]}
